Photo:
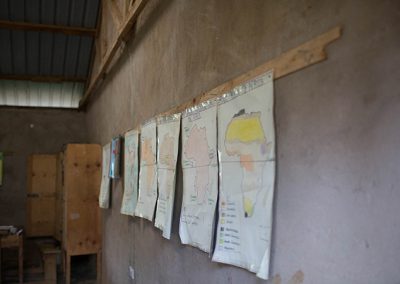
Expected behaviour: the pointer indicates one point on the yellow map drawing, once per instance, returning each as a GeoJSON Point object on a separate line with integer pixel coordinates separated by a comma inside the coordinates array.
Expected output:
{"type": "Point", "coordinates": [245, 137]}
{"type": "Point", "coordinates": [245, 129]}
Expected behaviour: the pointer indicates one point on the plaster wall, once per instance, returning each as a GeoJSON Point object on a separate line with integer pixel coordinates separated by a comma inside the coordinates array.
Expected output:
{"type": "Point", "coordinates": [31, 131]}
{"type": "Point", "coordinates": [338, 134]}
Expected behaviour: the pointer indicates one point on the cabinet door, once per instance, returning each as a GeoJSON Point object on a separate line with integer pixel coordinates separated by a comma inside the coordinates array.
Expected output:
{"type": "Point", "coordinates": [82, 174]}
{"type": "Point", "coordinates": [59, 199]}
{"type": "Point", "coordinates": [41, 195]}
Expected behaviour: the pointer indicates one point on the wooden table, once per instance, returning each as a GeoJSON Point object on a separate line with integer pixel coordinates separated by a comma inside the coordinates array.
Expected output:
{"type": "Point", "coordinates": [14, 241]}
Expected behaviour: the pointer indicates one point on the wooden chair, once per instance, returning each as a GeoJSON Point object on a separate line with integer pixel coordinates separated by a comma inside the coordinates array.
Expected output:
{"type": "Point", "coordinates": [49, 255]}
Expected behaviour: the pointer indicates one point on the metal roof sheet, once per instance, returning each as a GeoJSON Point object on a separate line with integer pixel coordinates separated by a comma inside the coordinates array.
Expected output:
{"type": "Point", "coordinates": [41, 53]}
{"type": "Point", "coordinates": [37, 94]}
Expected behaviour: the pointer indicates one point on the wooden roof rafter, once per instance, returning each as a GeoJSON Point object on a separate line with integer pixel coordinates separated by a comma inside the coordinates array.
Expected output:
{"type": "Point", "coordinates": [68, 30]}
{"type": "Point", "coordinates": [40, 78]}
{"type": "Point", "coordinates": [129, 13]}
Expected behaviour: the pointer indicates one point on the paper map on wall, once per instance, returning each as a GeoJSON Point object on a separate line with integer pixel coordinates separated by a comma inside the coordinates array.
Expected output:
{"type": "Point", "coordinates": [167, 154]}
{"type": "Point", "coordinates": [246, 145]}
{"type": "Point", "coordinates": [131, 170]}
{"type": "Point", "coordinates": [200, 175]}
{"type": "Point", "coordinates": [104, 198]}
{"type": "Point", "coordinates": [115, 157]}
{"type": "Point", "coordinates": [148, 171]}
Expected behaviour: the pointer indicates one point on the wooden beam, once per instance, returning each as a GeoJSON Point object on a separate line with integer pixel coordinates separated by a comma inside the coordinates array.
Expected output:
{"type": "Point", "coordinates": [133, 14]}
{"type": "Point", "coordinates": [288, 62]}
{"type": "Point", "coordinates": [300, 57]}
{"type": "Point", "coordinates": [38, 78]}
{"type": "Point", "coordinates": [128, 4]}
{"type": "Point", "coordinates": [96, 46]}
{"type": "Point", "coordinates": [47, 28]}
{"type": "Point", "coordinates": [116, 14]}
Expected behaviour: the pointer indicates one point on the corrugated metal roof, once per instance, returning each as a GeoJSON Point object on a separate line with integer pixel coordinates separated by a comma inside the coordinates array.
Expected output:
{"type": "Point", "coordinates": [39, 53]}
{"type": "Point", "coordinates": [36, 94]}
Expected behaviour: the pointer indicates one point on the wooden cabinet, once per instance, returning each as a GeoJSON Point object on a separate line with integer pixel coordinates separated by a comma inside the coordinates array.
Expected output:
{"type": "Point", "coordinates": [41, 192]}
{"type": "Point", "coordinates": [63, 192]}
{"type": "Point", "coordinates": [59, 199]}
{"type": "Point", "coordinates": [79, 176]}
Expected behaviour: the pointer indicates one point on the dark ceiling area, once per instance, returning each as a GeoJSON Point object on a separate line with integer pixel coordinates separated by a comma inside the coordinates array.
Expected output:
{"type": "Point", "coordinates": [30, 49]}
{"type": "Point", "coordinates": [47, 41]}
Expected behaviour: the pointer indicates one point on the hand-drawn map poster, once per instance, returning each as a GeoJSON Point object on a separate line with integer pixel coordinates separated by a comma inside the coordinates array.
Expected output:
{"type": "Point", "coordinates": [200, 175]}
{"type": "Point", "coordinates": [104, 198]}
{"type": "Point", "coordinates": [246, 146]}
{"type": "Point", "coordinates": [148, 171]}
{"type": "Point", "coordinates": [131, 172]}
{"type": "Point", "coordinates": [167, 153]}
{"type": "Point", "coordinates": [115, 157]}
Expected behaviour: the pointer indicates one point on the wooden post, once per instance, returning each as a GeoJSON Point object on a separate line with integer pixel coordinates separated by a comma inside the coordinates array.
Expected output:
{"type": "Point", "coordinates": [1, 260]}
{"type": "Point", "coordinates": [21, 259]}
{"type": "Point", "coordinates": [50, 268]}
{"type": "Point", "coordinates": [49, 255]}
{"type": "Point", "coordinates": [98, 268]}
{"type": "Point", "coordinates": [67, 268]}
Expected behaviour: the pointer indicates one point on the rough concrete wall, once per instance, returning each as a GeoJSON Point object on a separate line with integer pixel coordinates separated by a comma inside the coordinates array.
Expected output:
{"type": "Point", "coordinates": [31, 131]}
{"type": "Point", "coordinates": [338, 133]}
